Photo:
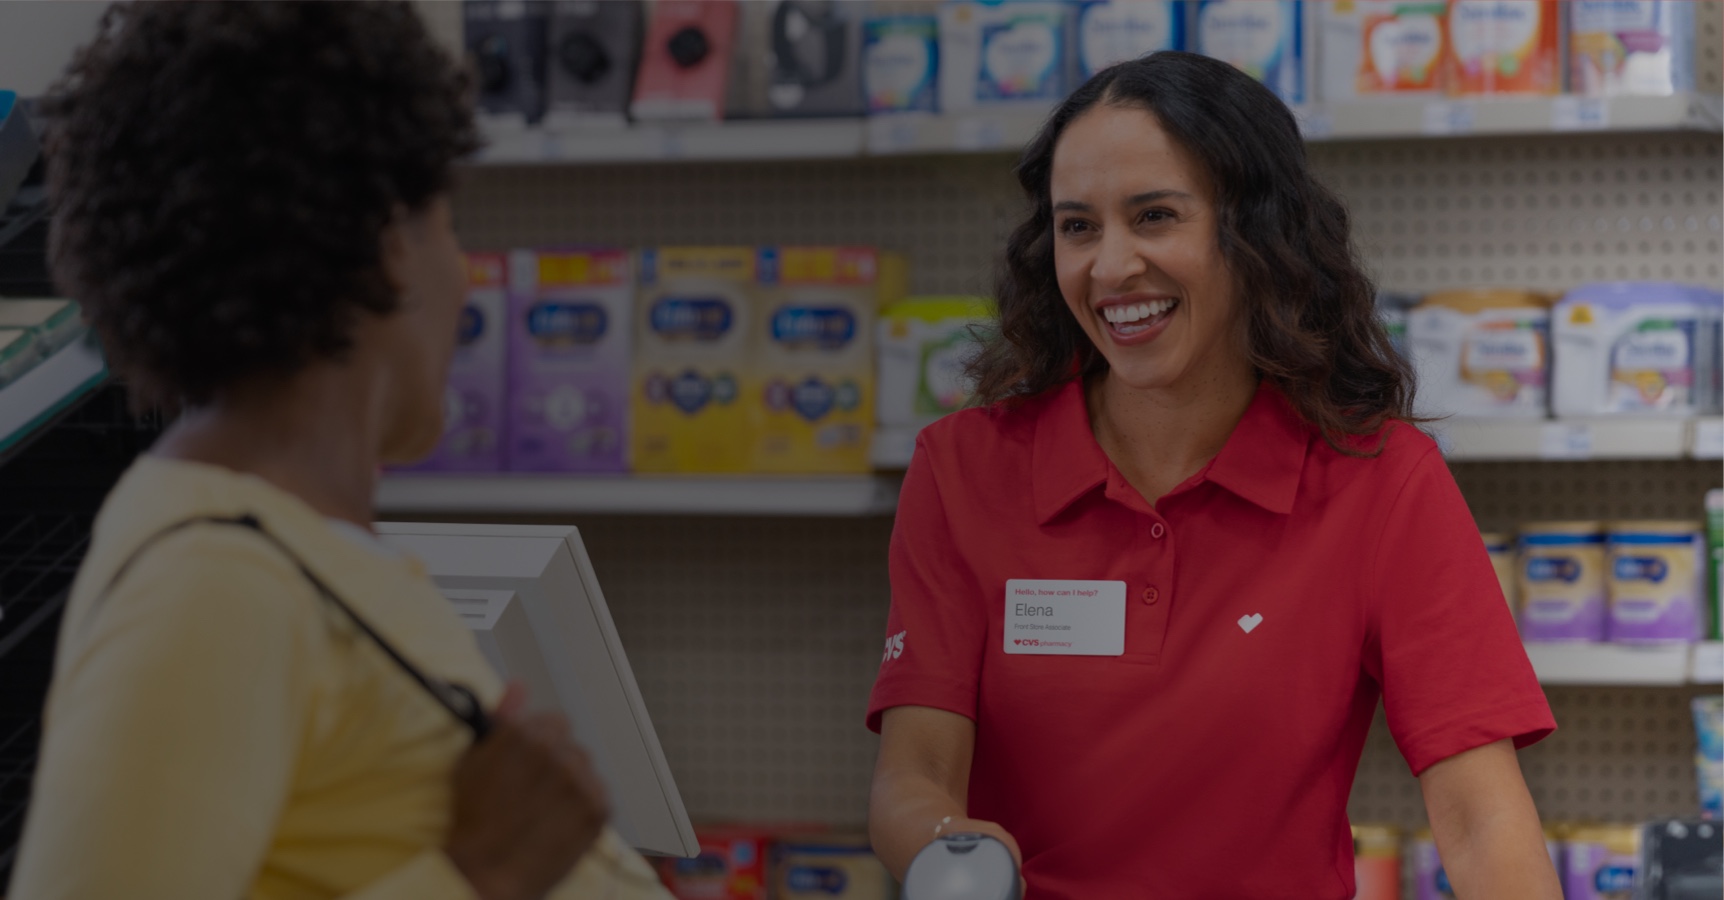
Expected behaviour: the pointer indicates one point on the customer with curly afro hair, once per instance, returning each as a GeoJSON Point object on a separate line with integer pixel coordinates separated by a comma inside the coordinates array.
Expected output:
{"type": "Point", "coordinates": [253, 696]}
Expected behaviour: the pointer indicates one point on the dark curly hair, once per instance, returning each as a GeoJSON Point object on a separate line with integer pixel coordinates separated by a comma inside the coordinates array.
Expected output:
{"type": "Point", "coordinates": [1312, 324]}
{"type": "Point", "coordinates": [221, 174]}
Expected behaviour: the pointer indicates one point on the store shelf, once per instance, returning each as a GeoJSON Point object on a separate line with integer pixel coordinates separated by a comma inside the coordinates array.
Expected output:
{"type": "Point", "coordinates": [670, 142]}
{"type": "Point", "coordinates": [848, 495]}
{"type": "Point", "coordinates": [1708, 666]}
{"type": "Point", "coordinates": [44, 391]}
{"type": "Point", "coordinates": [1577, 439]}
{"type": "Point", "coordinates": [1610, 664]}
{"type": "Point", "coordinates": [1486, 116]}
{"type": "Point", "coordinates": [892, 447]}
{"type": "Point", "coordinates": [1008, 129]}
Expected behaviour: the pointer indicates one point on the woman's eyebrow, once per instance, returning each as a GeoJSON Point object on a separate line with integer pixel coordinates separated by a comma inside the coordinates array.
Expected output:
{"type": "Point", "coordinates": [1133, 200]}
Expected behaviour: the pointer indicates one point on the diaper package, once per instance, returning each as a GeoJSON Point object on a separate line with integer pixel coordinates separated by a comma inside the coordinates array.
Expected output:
{"type": "Point", "coordinates": [1602, 862]}
{"type": "Point", "coordinates": [1630, 47]}
{"type": "Point", "coordinates": [474, 409]}
{"type": "Point", "coordinates": [900, 63]}
{"type": "Point", "coordinates": [693, 349]}
{"type": "Point", "coordinates": [1481, 353]}
{"type": "Point", "coordinates": [810, 395]}
{"type": "Point", "coordinates": [1656, 580]}
{"type": "Point", "coordinates": [1563, 583]}
{"type": "Point", "coordinates": [1002, 54]}
{"type": "Point", "coordinates": [1504, 47]}
{"type": "Point", "coordinates": [1114, 31]}
{"type": "Point", "coordinates": [1634, 347]}
{"type": "Point", "coordinates": [1402, 47]}
{"type": "Point", "coordinates": [1263, 38]}
{"type": "Point", "coordinates": [924, 344]}
{"type": "Point", "coordinates": [569, 360]}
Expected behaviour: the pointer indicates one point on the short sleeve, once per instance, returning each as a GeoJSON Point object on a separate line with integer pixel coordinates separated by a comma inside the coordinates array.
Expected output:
{"type": "Point", "coordinates": [938, 623]}
{"type": "Point", "coordinates": [1442, 640]}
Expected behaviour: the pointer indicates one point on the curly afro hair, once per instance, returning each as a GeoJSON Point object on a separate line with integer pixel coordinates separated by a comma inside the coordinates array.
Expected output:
{"type": "Point", "coordinates": [221, 175]}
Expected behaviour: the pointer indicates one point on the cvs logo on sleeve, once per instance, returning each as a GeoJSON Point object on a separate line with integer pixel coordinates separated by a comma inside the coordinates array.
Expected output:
{"type": "Point", "coordinates": [894, 647]}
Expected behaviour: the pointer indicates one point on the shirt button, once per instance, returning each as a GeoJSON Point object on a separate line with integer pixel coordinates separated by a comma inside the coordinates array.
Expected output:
{"type": "Point", "coordinates": [1156, 531]}
{"type": "Point", "coordinates": [1150, 595]}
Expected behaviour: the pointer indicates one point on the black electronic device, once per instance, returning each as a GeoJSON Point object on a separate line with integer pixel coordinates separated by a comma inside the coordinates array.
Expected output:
{"type": "Point", "coordinates": [595, 47]}
{"type": "Point", "coordinates": [798, 58]}
{"type": "Point", "coordinates": [1681, 860]}
{"type": "Point", "coordinates": [506, 40]}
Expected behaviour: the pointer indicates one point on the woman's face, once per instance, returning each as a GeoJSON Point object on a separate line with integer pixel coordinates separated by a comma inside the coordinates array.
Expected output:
{"type": "Point", "coordinates": [424, 262]}
{"type": "Point", "coordinates": [1135, 253]}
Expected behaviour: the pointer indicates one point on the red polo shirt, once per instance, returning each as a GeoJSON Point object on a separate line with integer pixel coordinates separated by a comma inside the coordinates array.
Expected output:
{"type": "Point", "coordinates": [1270, 600]}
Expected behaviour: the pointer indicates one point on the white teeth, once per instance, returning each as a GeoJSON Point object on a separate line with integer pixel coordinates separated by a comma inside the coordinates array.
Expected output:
{"type": "Point", "coordinates": [1124, 315]}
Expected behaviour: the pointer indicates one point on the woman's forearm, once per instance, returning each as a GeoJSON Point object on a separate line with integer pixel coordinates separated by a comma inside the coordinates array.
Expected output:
{"type": "Point", "coordinates": [1487, 828]}
{"type": "Point", "coordinates": [903, 810]}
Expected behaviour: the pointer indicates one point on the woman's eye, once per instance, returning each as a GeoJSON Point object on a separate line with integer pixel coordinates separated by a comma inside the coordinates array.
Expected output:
{"type": "Point", "coordinates": [1155, 216]}
{"type": "Point", "coordinates": [1073, 227]}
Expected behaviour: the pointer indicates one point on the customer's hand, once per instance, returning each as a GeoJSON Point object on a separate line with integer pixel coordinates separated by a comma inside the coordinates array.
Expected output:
{"type": "Point", "coordinates": [527, 805]}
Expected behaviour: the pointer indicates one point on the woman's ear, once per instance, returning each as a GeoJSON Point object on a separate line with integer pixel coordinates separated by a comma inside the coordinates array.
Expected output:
{"type": "Point", "coordinates": [393, 250]}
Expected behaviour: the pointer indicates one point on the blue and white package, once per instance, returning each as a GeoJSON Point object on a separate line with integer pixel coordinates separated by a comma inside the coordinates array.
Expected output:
{"type": "Point", "coordinates": [1631, 47]}
{"type": "Point", "coordinates": [998, 53]}
{"type": "Point", "coordinates": [900, 63]}
{"type": "Point", "coordinates": [1263, 38]}
{"type": "Point", "coordinates": [1114, 31]}
{"type": "Point", "coordinates": [1709, 757]}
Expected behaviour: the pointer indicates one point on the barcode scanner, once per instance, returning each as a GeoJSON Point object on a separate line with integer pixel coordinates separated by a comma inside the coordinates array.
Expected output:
{"type": "Point", "coordinates": [963, 866]}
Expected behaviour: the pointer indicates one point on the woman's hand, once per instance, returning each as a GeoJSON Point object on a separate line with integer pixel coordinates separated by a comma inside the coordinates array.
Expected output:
{"type": "Point", "coordinates": [528, 805]}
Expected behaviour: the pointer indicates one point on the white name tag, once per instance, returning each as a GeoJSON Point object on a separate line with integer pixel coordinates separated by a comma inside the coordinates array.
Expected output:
{"type": "Point", "coordinates": [1065, 618]}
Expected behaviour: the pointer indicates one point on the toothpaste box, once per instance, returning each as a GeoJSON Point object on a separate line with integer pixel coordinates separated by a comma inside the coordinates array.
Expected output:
{"type": "Point", "coordinates": [1631, 47]}
{"type": "Point", "coordinates": [693, 346]}
{"type": "Point", "coordinates": [474, 417]}
{"type": "Point", "coordinates": [811, 395]}
{"type": "Point", "coordinates": [1504, 47]}
{"type": "Point", "coordinates": [1114, 31]}
{"type": "Point", "coordinates": [569, 360]}
{"type": "Point", "coordinates": [900, 63]}
{"type": "Point", "coordinates": [1002, 54]}
{"type": "Point", "coordinates": [1263, 38]}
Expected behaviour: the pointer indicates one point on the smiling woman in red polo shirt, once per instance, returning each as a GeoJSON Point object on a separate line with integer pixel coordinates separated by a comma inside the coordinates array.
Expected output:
{"type": "Point", "coordinates": [1145, 599]}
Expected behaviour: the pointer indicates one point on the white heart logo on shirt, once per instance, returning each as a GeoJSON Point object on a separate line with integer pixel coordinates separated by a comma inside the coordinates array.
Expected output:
{"type": "Point", "coordinates": [1246, 623]}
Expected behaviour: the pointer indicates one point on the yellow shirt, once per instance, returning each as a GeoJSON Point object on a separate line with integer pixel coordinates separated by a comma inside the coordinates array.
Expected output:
{"type": "Point", "coordinates": [216, 729]}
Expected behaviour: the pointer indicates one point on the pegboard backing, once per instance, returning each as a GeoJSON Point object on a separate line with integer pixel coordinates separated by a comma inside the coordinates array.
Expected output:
{"type": "Point", "coordinates": [1619, 755]}
{"type": "Point", "coordinates": [1542, 212]}
{"type": "Point", "coordinates": [1505, 494]}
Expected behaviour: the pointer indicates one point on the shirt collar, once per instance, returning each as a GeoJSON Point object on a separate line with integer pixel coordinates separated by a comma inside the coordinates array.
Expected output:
{"type": "Point", "coordinates": [1261, 461]}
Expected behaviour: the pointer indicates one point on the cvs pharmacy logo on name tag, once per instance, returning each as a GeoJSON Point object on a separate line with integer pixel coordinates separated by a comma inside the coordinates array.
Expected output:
{"type": "Point", "coordinates": [1065, 618]}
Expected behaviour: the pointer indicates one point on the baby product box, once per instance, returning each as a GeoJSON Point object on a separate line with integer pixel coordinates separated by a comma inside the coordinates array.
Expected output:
{"type": "Point", "coordinates": [594, 48]}
{"type": "Point", "coordinates": [1481, 353]}
{"type": "Point", "coordinates": [569, 360]}
{"type": "Point", "coordinates": [1564, 582]}
{"type": "Point", "coordinates": [994, 54]}
{"type": "Point", "coordinates": [811, 393]}
{"type": "Point", "coordinates": [924, 343]}
{"type": "Point", "coordinates": [901, 63]}
{"type": "Point", "coordinates": [829, 867]}
{"type": "Point", "coordinates": [693, 350]}
{"type": "Point", "coordinates": [1402, 47]}
{"type": "Point", "coordinates": [1376, 862]}
{"type": "Point", "coordinates": [1657, 576]}
{"type": "Point", "coordinates": [1630, 47]}
{"type": "Point", "coordinates": [506, 39]}
{"type": "Point", "coordinates": [1504, 47]}
{"type": "Point", "coordinates": [1113, 31]}
{"type": "Point", "coordinates": [1602, 862]}
{"type": "Point", "coordinates": [797, 58]}
{"type": "Point", "coordinates": [474, 406]}
{"type": "Point", "coordinates": [1264, 38]}
{"type": "Point", "coordinates": [1633, 347]}
{"type": "Point", "coordinates": [732, 865]}
{"type": "Point", "coordinates": [685, 60]}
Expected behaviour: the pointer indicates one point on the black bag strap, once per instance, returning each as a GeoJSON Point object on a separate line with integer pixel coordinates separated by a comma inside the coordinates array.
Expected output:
{"type": "Point", "coordinates": [458, 699]}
